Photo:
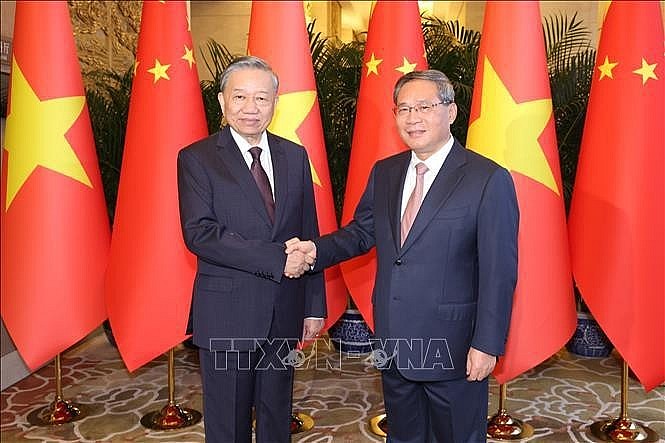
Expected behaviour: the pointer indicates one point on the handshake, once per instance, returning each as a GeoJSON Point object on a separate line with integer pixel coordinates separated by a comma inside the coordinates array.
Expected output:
{"type": "Point", "coordinates": [300, 257]}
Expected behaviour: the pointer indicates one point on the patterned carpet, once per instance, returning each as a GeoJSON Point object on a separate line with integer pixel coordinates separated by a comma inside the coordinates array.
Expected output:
{"type": "Point", "coordinates": [559, 398]}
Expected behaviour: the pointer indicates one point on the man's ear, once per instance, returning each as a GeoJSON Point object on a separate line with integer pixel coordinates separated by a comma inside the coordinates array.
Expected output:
{"type": "Point", "coordinates": [220, 98]}
{"type": "Point", "coordinates": [452, 113]}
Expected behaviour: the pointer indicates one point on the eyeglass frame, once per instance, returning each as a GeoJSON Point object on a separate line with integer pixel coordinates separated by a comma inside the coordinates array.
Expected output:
{"type": "Point", "coordinates": [421, 108]}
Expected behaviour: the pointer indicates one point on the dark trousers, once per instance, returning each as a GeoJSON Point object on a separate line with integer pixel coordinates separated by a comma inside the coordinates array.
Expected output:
{"type": "Point", "coordinates": [451, 411]}
{"type": "Point", "coordinates": [233, 382]}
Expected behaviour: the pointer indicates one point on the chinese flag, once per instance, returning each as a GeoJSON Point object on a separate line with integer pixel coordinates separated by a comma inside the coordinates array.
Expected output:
{"type": "Point", "coordinates": [394, 47]}
{"type": "Point", "coordinates": [512, 123]}
{"type": "Point", "coordinates": [150, 275]}
{"type": "Point", "coordinates": [55, 228]}
{"type": "Point", "coordinates": [278, 35]}
{"type": "Point", "coordinates": [616, 218]}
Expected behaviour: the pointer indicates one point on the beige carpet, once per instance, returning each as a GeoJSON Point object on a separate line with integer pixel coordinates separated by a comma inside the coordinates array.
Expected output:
{"type": "Point", "coordinates": [559, 398]}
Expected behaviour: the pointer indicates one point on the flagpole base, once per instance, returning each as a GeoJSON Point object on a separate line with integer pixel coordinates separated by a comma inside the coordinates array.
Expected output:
{"type": "Point", "coordinates": [379, 425]}
{"type": "Point", "coordinates": [623, 429]}
{"type": "Point", "coordinates": [501, 426]}
{"type": "Point", "coordinates": [171, 416]}
{"type": "Point", "coordinates": [57, 413]}
{"type": "Point", "coordinates": [301, 422]}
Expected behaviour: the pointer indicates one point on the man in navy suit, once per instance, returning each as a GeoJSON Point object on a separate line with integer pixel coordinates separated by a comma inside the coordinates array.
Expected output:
{"type": "Point", "coordinates": [243, 192]}
{"type": "Point", "coordinates": [444, 221]}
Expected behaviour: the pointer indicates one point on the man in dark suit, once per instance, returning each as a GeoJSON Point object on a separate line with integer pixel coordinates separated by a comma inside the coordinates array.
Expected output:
{"type": "Point", "coordinates": [243, 192]}
{"type": "Point", "coordinates": [444, 221]}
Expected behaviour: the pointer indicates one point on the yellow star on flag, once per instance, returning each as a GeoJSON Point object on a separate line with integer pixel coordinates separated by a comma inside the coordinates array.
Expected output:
{"type": "Point", "coordinates": [373, 65]}
{"type": "Point", "coordinates": [189, 57]}
{"type": "Point", "coordinates": [159, 71]}
{"type": "Point", "coordinates": [646, 71]}
{"type": "Point", "coordinates": [291, 110]}
{"type": "Point", "coordinates": [36, 135]}
{"type": "Point", "coordinates": [606, 69]}
{"type": "Point", "coordinates": [406, 66]}
{"type": "Point", "coordinates": [508, 132]}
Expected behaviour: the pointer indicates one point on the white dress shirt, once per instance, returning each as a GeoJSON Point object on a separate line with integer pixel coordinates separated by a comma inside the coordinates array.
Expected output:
{"type": "Point", "coordinates": [433, 163]}
{"type": "Point", "coordinates": [266, 162]}
{"type": "Point", "coordinates": [266, 158]}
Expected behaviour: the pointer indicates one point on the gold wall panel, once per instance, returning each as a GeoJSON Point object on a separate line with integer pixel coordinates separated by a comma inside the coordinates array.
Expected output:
{"type": "Point", "coordinates": [106, 33]}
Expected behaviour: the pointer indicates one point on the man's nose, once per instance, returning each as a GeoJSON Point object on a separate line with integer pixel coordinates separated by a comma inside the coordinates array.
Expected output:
{"type": "Point", "coordinates": [250, 106]}
{"type": "Point", "coordinates": [413, 116]}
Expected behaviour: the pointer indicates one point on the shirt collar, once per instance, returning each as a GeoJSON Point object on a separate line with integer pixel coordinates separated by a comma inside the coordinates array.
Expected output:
{"type": "Point", "coordinates": [435, 161]}
{"type": "Point", "coordinates": [244, 145]}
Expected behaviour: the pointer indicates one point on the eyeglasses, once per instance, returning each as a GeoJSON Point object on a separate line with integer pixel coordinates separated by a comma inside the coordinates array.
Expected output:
{"type": "Point", "coordinates": [259, 100]}
{"type": "Point", "coordinates": [423, 108]}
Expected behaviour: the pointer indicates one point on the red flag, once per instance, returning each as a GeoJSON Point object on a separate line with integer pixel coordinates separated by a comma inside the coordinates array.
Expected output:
{"type": "Point", "coordinates": [55, 229]}
{"type": "Point", "coordinates": [512, 123]}
{"type": "Point", "coordinates": [278, 35]}
{"type": "Point", "coordinates": [150, 275]}
{"type": "Point", "coordinates": [616, 219]}
{"type": "Point", "coordinates": [394, 47]}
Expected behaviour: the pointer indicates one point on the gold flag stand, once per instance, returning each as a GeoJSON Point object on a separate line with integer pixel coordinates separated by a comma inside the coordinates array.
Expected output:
{"type": "Point", "coordinates": [623, 429]}
{"type": "Point", "coordinates": [301, 422]}
{"type": "Point", "coordinates": [379, 425]}
{"type": "Point", "coordinates": [501, 426]}
{"type": "Point", "coordinates": [171, 416]}
{"type": "Point", "coordinates": [60, 411]}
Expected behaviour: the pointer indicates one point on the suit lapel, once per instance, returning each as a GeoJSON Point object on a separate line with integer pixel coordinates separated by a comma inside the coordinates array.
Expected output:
{"type": "Point", "coordinates": [280, 169]}
{"type": "Point", "coordinates": [397, 175]}
{"type": "Point", "coordinates": [233, 159]}
{"type": "Point", "coordinates": [442, 188]}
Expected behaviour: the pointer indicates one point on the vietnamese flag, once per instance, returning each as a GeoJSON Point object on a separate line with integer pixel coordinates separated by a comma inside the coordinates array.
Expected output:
{"type": "Point", "coordinates": [151, 272]}
{"type": "Point", "coordinates": [55, 227]}
{"type": "Point", "coordinates": [394, 47]}
{"type": "Point", "coordinates": [616, 222]}
{"type": "Point", "coordinates": [277, 34]}
{"type": "Point", "coordinates": [512, 123]}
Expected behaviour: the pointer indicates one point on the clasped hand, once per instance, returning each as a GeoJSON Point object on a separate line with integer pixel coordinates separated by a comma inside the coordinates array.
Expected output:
{"type": "Point", "coordinates": [300, 256]}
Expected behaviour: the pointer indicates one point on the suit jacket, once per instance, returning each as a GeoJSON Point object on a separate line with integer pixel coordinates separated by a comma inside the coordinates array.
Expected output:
{"type": "Point", "coordinates": [450, 286]}
{"type": "Point", "coordinates": [239, 290]}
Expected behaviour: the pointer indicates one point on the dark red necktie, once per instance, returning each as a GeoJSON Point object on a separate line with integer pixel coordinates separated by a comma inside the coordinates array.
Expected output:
{"type": "Point", "coordinates": [261, 179]}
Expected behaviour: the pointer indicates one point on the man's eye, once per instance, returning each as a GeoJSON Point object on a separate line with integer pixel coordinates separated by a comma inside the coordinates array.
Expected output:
{"type": "Point", "coordinates": [238, 98]}
{"type": "Point", "coordinates": [261, 99]}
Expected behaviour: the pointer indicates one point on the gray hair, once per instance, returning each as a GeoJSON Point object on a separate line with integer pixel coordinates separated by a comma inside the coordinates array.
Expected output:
{"type": "Point", "coordinates": [247, 62]}
{"type": "Point", "coordinates": [443, 85]}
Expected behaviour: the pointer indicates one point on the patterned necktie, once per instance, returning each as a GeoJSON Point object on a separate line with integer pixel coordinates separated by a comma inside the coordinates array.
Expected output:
{"type": "Point", "coordinates": [413, 205]}
{"type": "Point", "coordinates": [261, 179]}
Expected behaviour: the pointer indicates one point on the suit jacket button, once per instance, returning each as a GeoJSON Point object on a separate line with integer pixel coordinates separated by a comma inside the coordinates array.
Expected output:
{"type": "Point", "coordinates": [398, 262]}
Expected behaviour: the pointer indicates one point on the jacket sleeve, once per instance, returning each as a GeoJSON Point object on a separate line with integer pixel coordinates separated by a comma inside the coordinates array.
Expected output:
{"type": "Point", "coordinates": [315, 292]}
{"type": "Point", "coordinates": [354, 239]}
{"type": "Point", "coordinates": [211, 241]}
{"type": "Point", "coordinates": [498, 222]}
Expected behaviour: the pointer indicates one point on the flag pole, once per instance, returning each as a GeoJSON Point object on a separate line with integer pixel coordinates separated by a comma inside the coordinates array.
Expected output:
{"type": "Point", "coordinates": [60, 411]}
{"type": "Point", "coordinates": [502, 426]}
{"type": "Point", "coordinates": [171, 416]}
{"type": "Point", "coordinates": [623, 428]}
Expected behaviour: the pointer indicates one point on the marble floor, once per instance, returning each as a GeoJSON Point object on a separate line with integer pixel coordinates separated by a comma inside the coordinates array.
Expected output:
{"type": "Point", "coordinates": [560, 398]}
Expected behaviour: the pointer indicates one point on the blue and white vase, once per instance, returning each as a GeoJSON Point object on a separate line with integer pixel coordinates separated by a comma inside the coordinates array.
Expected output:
{"type": "Point", "coordinates": [351, 334]}
{"type": "Point", "coordinates": [589, 340]}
